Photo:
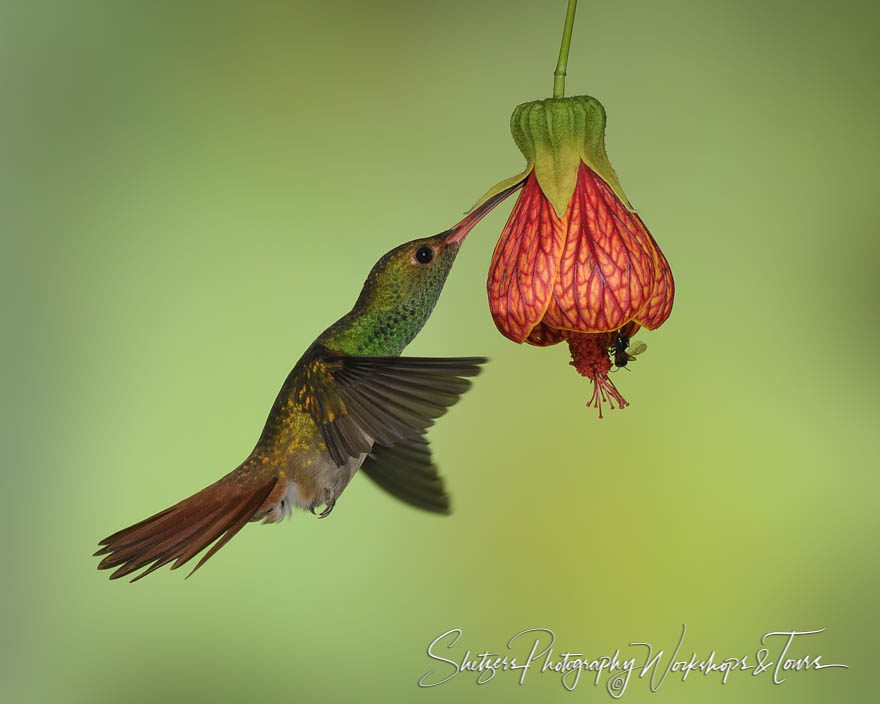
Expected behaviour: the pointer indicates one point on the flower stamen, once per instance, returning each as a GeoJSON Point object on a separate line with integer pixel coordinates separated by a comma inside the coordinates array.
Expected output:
{"type": "Point", "coordinates": [590, 356]}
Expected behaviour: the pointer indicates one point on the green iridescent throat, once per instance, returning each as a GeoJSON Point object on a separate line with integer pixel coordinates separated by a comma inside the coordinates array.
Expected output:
{"type": "Point", "coordinates": [395, 303]}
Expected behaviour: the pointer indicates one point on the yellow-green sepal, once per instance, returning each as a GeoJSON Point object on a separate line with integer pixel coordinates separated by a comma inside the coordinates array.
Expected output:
{"type": "Point", "coordinates": [555, 135]}
{"type": "Point", "coordinates": [502, 186]}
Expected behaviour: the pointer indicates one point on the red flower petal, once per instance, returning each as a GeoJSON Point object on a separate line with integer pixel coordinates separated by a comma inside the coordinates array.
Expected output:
{"type": "Point", "coordinates": [544, 336]}
{"type": "Point", "coordinates": [607, 272]}
{"type": "Point", "coordinates": [525, 262]}
{"type": "Point", "coordinates": [659, 305]}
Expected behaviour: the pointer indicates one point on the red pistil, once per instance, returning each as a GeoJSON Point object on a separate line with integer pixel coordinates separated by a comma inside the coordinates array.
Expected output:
{"type": "Point", "coordinates": [589, 354]}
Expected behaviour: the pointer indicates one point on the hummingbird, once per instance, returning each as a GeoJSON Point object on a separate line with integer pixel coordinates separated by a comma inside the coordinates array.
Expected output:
{"type": "Point", "coordinates": [351, 402]}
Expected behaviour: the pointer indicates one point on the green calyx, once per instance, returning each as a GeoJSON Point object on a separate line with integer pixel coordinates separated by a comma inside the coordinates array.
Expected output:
{"type": "Point", "coordinates": [555, 135]}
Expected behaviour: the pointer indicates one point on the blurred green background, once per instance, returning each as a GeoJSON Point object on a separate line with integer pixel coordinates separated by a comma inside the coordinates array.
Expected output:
{"type": "Point", "coordinates": [193, 191]}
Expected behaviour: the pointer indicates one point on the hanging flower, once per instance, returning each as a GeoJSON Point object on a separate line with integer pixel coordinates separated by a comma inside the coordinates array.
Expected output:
{"type": "Point", "coordinates": [575, 262]}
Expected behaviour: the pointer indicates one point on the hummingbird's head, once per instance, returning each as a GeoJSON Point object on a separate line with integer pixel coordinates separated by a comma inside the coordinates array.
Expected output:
{"type": "Point", "coordinates": [408, 279]}
{"type": "Point", "coordinates": [402, 289]}
{"type": "Point", "coordinates": [412, 275]}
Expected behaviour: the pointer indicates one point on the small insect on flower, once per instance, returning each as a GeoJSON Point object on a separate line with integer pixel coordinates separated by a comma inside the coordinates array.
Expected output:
{"type": "Point", "coordinates": [624, 353]}
{"type": "Point", "coordinates": [575, 262]}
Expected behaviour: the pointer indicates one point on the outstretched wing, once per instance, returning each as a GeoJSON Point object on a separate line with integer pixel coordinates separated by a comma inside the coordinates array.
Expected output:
{"type": "Point", "coordinates": [405, 471]}
{"type": "Point", "coordinates": [359, 401]}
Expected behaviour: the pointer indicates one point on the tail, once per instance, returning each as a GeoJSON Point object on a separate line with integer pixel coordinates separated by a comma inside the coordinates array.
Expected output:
{"type": "Point", "coordinates": [184, 530]}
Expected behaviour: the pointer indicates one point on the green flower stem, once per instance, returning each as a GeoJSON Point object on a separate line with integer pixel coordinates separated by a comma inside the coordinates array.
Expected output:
{"type": "Point", "coordinates": [559, 73]}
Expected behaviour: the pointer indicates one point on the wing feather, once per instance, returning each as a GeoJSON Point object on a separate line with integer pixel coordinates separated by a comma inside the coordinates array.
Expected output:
{"type": "Point", "coordinates": [406, 471]}
{"type": "Point", "coordinates": [362, 400]}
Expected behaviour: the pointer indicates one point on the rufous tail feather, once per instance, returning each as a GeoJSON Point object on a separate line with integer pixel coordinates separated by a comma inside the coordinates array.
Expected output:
{"type": "Point", "coordinates": [179, 533]}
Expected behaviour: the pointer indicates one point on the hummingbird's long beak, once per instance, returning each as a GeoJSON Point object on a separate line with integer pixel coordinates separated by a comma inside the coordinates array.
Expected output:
{"type": "Point", "coordinates": [458, 232]}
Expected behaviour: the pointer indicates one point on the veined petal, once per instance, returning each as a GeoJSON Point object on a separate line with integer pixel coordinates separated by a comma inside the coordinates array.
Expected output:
{"type": "Point", "coordinates": [659, 305]}
{"type": "Point", "coordinates": [607, 271]}
{"type": "Point", "coordinates": [525, 263]}
{"type": "Point", "coordinates": [543, 336]}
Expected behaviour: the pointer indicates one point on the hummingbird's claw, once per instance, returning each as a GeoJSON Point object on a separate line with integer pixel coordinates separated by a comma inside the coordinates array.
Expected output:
{"type": "Point", "coordinates": [327, 509]}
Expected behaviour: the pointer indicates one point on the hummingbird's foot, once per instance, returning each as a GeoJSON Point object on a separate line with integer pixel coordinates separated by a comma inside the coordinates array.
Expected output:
{"type": "Point", "coordinates": [327, 509]}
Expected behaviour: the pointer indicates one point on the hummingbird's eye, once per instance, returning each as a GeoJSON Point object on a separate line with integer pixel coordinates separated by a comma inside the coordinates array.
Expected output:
{"type": "Point", "coordinates": [424, 254]}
